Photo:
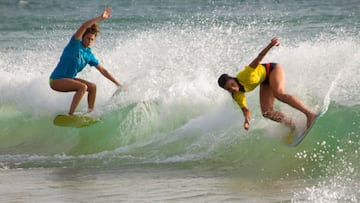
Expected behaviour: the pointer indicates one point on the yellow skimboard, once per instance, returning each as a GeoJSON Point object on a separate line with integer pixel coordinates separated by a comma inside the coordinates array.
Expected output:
{"type": "Point", "coordinates": [74, 121]}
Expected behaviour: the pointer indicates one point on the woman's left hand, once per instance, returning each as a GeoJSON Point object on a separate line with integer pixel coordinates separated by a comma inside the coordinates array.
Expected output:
{"type": "Point", "coordinates": [106, 13]}
{"type": "Point", "coordinates": [275, 41]}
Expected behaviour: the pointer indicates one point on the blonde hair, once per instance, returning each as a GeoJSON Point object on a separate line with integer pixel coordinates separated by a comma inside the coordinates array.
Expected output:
{"type": "Point", "coordinates": [94, 29]}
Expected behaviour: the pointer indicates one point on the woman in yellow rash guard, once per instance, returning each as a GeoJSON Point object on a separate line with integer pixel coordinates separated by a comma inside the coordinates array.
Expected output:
{"type": "Point", "coordinates": [271, 79]}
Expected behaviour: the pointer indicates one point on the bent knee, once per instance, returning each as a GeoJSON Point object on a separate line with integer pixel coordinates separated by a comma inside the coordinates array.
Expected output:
{"type": "Point", "coordinates": [91, 87]}
{"type": "Point", "coordinates": [82, 88]}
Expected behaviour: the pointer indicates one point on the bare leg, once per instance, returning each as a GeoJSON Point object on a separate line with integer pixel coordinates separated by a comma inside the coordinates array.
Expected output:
{"type": "Point", "coordinates": [91, 88]}
{"type": "Point", "coordinates": [70, 85]}
{"type": "Point", "coordinates": [277, 84]}
{"type": "Point", "coordinates": [267, 107]}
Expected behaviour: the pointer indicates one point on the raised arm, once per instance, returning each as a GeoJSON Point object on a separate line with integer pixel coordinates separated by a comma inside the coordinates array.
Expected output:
{"type": "Point", "coordinates": [259, 58]}
{"type": "Point", "coordinates": [105, 15]}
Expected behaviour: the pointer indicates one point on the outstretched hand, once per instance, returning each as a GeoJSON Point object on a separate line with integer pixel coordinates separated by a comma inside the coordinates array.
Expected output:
{"type": "Point", "coordinates": [246, 125]}
{"type": "Point", "coordinates": [106, 13]}
{"type": "Point", "coordinates": [123, 88]}
{"type": "Point", "coordinates": [275, 41]}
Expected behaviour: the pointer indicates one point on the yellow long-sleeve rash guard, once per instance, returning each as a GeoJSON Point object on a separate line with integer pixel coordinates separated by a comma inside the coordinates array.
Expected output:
{"type": "Point", "coordinates": [249, 78]}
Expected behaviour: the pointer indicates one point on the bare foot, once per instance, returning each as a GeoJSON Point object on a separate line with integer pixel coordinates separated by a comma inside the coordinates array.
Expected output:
{"type": "Point", "coordinates": [310, 119]}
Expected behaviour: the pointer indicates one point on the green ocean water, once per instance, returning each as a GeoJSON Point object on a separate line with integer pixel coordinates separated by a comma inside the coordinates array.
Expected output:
{"type": "Point", "coordinates": [174, 135]}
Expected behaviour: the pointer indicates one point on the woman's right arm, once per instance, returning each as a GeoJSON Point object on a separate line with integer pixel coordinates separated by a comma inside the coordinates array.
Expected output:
{"type": "Point", "coordinates": [105, 15]}
{"type": "Point", "coordinates": [259, 58]}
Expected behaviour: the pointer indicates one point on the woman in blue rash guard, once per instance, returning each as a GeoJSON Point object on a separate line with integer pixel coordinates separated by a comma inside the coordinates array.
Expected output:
{"type": "Point", "coordinates": [76, 55]}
